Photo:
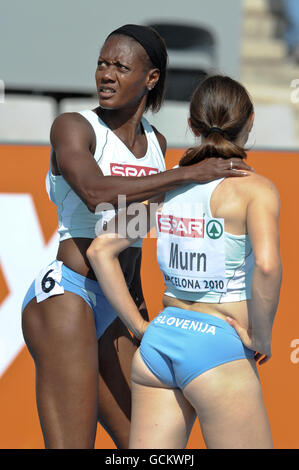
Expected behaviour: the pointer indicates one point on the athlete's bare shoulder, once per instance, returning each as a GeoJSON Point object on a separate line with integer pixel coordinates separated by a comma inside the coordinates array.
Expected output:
{"type": "Point", "coordinates": [71, 127]}
{"type": "Point", "coordinates": [250, 183]}
{"type": "Point", "coordinates": [254, 188]}
{"type": "Point", "coordinates": [259, 183]}
{"type": "Point", "coordinates": [258, 189]}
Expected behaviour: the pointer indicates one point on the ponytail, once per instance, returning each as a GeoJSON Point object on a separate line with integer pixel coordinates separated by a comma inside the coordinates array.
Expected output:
{"type": "Point", "coordinates": [219, 109]}
{"type": "Point", "coordinates": [215, 146]}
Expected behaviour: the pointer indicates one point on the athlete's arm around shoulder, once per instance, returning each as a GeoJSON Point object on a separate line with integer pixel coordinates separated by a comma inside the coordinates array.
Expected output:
{"type": "Point", "coordinates": [73, 141]}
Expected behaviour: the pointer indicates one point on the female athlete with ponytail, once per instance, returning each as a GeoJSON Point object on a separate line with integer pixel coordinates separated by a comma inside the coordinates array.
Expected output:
{"type": "Point", "coordinates": [218, 250]}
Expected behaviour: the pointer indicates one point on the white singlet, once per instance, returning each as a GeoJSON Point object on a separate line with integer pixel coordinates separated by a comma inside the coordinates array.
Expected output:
{"type": "Point", "coordinates": [201, 262]}
{"type": "Point", "coordinates": [114, 158]}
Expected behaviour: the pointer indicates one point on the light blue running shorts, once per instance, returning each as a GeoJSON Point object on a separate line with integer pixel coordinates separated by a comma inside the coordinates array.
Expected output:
{"type": "Point", "coordinates": [179, 345]}
{"type": "Point", "coordinates": [56, 278]}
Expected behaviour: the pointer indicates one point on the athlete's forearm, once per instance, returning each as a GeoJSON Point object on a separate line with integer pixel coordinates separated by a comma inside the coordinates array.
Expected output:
{"type": "Point", "coordinates": [136, 189]}
{"type": "Point", "coordinates": [107, 269]}
{"type": "Point", "coordinates": [263, 305]}
{"type": "Point", "coordinates": [94, 188]}
{"type": "Point", "coordinates": [113, 283]}
{"type": "Point", "coordinates": [136, 289]}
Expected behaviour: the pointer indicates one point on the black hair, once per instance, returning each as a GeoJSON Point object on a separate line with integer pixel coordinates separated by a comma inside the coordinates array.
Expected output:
{"type": "Point", "coordinates": [156, 50]}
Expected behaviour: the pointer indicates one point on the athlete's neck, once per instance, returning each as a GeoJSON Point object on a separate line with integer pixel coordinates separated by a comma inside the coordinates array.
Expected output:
{"type": "Point", "coordinates": [125, 123]}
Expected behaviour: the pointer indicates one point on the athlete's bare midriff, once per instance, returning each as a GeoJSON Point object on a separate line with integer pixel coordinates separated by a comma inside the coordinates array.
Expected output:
{"type": "Point", "coordinates": [72, 252]}
{"type": "Point", "coordinates": [236, 310]}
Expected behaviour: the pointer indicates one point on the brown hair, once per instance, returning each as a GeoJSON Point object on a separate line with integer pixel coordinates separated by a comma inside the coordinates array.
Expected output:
{"type": "Point", "coordinates": [219, 109]}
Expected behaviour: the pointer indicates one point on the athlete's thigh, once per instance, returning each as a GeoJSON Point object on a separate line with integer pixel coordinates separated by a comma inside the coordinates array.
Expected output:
{"type": "Point", "coordinates": [116, 350]}
{"type": "Point", "coordinates": [60, 334]}
{"type": "Point", "coordinates": [229, 403]}
{"type": "Point", "coordinates": [161, 416]}
{"type": "Point", "coordinates": [63, 320]}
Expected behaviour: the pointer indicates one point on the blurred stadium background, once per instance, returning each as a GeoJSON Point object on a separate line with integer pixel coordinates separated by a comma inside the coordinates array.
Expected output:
{"type": "Point", "coordinates": [48, 54]}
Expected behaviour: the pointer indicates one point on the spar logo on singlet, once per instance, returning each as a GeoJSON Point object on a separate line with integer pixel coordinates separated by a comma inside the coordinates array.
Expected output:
{"type": "Point", "coordinates": [181, 226]}
{"type": "Point", "coordinates": [121, 169]}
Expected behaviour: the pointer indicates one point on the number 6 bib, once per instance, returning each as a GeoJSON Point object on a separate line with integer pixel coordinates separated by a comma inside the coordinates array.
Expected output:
{"type": "Point", "coordinates": [48, 281]}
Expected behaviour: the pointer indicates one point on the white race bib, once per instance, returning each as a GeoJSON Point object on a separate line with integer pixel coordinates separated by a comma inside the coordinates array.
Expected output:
{"type": "Point", "coordinates": [48, 281]}
{"type": "Point", "coordinates": [191, 252]}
